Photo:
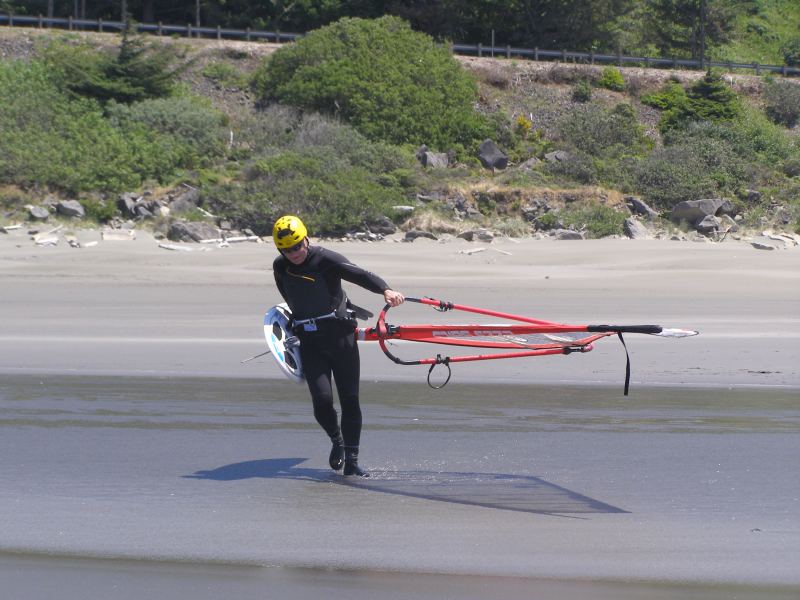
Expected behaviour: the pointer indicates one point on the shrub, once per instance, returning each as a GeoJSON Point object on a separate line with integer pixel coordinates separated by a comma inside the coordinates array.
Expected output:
{"type": "Point", "coordinates": [582, 91]}
{"type": "Point", "coordinates": [331, 194]}
{"type": "Point", "coordinates": [782, 100]}
{"type": "Point", "coordinates": [611, 79]}
{"type": "Point", "coordinates": [598, 220]}
{"type": "Point", "coordinates": [50, 138]}
{"type": "Point", "coordinates": [598, 131]}
{"type": "Point", "coordinates": [708, 99]}
{"type": "Point", "coordinates": [672, 174]}
{"type": "Point", "coordinates": [136, 72]}
{"type": "Point", "coordinates": [389, 82]}
{"type": "Point", "coordinates": [791, 52]}
{"type": "Point", "coordinates": [191, 128]}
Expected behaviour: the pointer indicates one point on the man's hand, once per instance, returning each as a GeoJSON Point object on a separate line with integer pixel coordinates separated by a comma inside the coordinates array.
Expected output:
{"type": "Point", "coordinates": [393, 298]}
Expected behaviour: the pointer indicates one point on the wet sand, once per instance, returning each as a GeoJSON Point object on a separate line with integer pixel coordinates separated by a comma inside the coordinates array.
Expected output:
{"type": "Point", "coordinates": [116, 444]}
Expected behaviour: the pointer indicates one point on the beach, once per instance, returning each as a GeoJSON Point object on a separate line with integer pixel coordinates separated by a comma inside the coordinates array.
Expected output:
{"type": "Point", "coordinates": [140, 450]}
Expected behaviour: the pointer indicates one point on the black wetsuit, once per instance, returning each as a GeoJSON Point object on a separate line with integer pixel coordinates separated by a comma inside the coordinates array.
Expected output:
{"type": "Point", "coordinates": [314, 289]}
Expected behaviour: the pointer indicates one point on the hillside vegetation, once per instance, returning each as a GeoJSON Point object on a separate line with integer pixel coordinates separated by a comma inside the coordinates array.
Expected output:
{"type": "Point", "coordinates": [329, 128]}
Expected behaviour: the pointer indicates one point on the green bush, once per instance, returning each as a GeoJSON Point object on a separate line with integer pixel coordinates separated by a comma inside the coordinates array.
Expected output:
{"type": "Point", "coordinates": [50, 138]}
{"type": "Point", "coordinates": [782, 102]}
{"type": "Point", "coordinates": [598, 220]}
{"type": "Point", "coordinates": [708, 99]}
{"type": "Point", "coordinates": [601, 132]}
{"type": "Point", "coordinates": [612, 79]}
{"type": "Point", "coordinates": [191, 129]}
{"type": "Point", "coordinates": [389, 82]}
{"type": "Point", "coordinates": [582, 91]}
{"type": "Point", "coordinates": [672, 174]}
{"type": "Point", "coordinates": [137, 71]}
{"type": "Point", "coordinates": [331, 194]}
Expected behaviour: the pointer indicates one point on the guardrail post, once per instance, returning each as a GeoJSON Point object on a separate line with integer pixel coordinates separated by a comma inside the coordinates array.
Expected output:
{"type": "Point", "coordinates": [10, 19]}
{"type": "Point", "coordinates": [188, 30]}
{"type": "Point", "coordinates": [563, 55]}
{"type": "Point", "coordinates": [591, 57]}
{"type": "Point", "coordinates": [619, 58]}
{"type": "Point", "coordinates": [69, 22]}
{"type": "Point", "coordinates": [757, 68]}
{"type": "Point", "coordinates": [160, 30]}
{"type": "Point", "coordinates": [480, 50]}
{"type": "Point", "coordinates": [219, 32]}
{"type": "Point", "coordinates": [508, 50]}
{"type": "Point", "coordinates": [247, 34]}
{"type": "Point", "coordinates": [536, 54]}
{"type": "Point", "coordinates": [100, 25]}
{"type": "Point", "coordinates": [783, 70]}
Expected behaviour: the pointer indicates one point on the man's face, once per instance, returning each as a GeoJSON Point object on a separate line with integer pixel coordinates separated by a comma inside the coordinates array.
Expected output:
{"type": "Point", "coordinates": [297, 254]}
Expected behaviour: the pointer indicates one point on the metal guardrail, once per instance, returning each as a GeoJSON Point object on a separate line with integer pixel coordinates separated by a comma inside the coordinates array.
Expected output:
{"type": "Point", "coordinates": [480, 50]}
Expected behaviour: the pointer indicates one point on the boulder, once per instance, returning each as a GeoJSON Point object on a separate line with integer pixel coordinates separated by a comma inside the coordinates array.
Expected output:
{"type": "Point", "coordinates": [708, 224]}
{"type": "Point", "coordinates": [192, 231]}
{"type": "Point", "coordinates": [483, 235]}
{"type": "Point", "coordinates": [491, 156]}
{"type": "Point", "coordinates": [435, 160]}
{"type": "Point", "coordinates": [126, 204]}
{"type": "Point", "coordinates": [70, 208]}
{"type": "Point", "coordinates": [694, 211]}
{"type": "Point", "coordinates": [529, 164]}
{"type": "Point", "coordinates": [185, 202]}
{"type": "Point", "coordinates": [416, 233]}
{"type": "Point", "coordinates": [38, 213]}
{"type": "Point", "coordinates": [557, 156]}
{"type": "Point", "coordinates": [567, 234]}
{"type": "Point", "coordinates": [638, 207]}
{"type": "Point", "coordinates": [382, 226]}
{"type": "Point", "coordinates": [635, 229]}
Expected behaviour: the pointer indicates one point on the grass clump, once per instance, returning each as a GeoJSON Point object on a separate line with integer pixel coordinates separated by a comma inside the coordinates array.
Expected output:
{"type": "Point", "coordinates": [782, 100]}
{"type": "Point", "coordinates": [598, 220]}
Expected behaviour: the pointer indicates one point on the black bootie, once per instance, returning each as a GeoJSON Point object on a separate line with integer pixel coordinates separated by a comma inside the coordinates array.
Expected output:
{"type": "Point", "coordinates": [351, 462]}
{"type": "Point", "coordinates": [336, 459]}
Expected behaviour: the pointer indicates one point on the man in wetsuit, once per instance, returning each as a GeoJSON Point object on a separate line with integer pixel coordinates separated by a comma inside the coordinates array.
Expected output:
{"type": "Point", "coordinates": [310, 280]}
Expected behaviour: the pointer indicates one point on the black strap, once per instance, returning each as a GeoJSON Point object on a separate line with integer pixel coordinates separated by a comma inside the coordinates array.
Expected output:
{"type": "Point", "coordinates": [440, 361]}
{"type": "Point", "coordinates": [627, 363]}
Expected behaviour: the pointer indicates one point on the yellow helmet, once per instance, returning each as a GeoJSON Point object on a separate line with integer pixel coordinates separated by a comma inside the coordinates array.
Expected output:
{"type": "Point", "coordinates": [288, 231]}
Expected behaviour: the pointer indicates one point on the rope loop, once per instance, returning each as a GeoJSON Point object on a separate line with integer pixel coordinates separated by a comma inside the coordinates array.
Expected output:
{"type": "Point", "coordinates": [440, 361]}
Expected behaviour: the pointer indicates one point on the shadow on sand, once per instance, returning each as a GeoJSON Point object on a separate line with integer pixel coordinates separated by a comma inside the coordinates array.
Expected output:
{"type": "Point", "coordinates": [523, 493]}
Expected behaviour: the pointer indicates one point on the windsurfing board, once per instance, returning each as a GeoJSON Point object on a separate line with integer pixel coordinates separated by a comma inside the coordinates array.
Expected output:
{"type": "Point", "coordinates": [283, 345]}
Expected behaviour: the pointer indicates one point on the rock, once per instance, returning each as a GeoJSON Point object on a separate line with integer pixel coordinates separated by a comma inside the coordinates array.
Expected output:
{"type": "Point", "coordinates": [567, 234]}
{"type": "Point", "coordinates": [382, 226]}
{"type": "Point", "coordinates": [557, 156]}
{"type": "Point", "coordinates": [728, 224]}
{"type": "Point", "coordinates": [753, 196]}
{"type": "Point", "coordinates": [635, 229]}
{"type": "Point", "coordinates": [491, 156]}
{"type": "Point", "coordinates": [70, 208]}
{"type": "Point", "coordinates": [694, 211]}
{"type": "Point", "coordinates": [38, 213]}
{"type": "Point", "coordinates": [762, 246]}
{"type": "Point", "coordinates": [638, 207]}
{"type": "Point", "coordinates": [126, 204]}
{"type": "Point", "coordinates": [192, 232]}
{"type": "Point", "coordinates": [483, 235]}
{"type": "Point", "coordinates": [708, 224]}
{"type": "Point", "coordinates": [529, 164]}
{"type": "Point", "coordinates": [403, 209]}
{"type": "Point", "coordinates": [416, 233]}
{"type": "Point", "coordinates": [435, 160]}
{"type": "Point", "coordinates": [185, 202]}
